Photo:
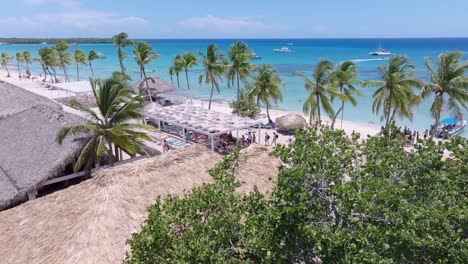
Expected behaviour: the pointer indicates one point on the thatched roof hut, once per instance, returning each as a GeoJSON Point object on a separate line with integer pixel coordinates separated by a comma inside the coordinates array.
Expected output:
{"type": "Point", "coordinates": [14, 99]}
{"type": "Point", "coordinates": [91, 222]}
{"type": "Point", "coordinates": [291, 122]}
{"type": "Point", "coordinates": [29, 154]}
{"type": "Point", "coordinates": [156, 85]}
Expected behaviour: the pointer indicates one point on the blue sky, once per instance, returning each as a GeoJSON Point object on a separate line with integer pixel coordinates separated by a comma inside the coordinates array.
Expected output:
{"type": "Point", "coordinates": [235, 19]}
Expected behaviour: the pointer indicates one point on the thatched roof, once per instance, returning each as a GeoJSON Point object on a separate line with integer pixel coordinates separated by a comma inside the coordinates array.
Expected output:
{"type": "Point", "coordinates": [156, 85]}
{"type": "Point", "coordinates": [91, 222]}
{"type": "Point", "coordinates": [29, 154]}
{"type": "Point", "coordinates": [291, 122]}
{"type": "Point", "coordinates": [14, 99]}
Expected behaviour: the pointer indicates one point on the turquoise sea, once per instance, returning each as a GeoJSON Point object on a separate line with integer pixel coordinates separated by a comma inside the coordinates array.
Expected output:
{"type": "Point", "coordinates": [305, 52]}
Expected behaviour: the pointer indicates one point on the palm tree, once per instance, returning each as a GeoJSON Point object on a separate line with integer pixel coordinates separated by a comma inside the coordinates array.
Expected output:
{"type": "Point", "coordinates": [320, 89]}
{"type": "Point", "coordinates": [49, 57]}
{"type": "Point", "coordinates": [121, 41]}
{"type": "Point", "coordinates": [19, 59]}
{"type": "Point", "coordinates": [178, 65]}
{"type": "Point", "coordinates": [5, 58]}
{"type": "Point", "coordinates": [187, 61]}
{"type": "Point", "coordinates": [394, 95]}
{"type": "Point", "coordinates": [240, 67]}
{"type": "Point", "coordinates": [64, 57]}
{"type": "Point", "coordinates": [171, 72]}
{"type": "Point", "coordinates": [109, 127]}
{"type": "Point", "coordinates": [266, 87]}
{"type": "Point", "coordinates": [214, 64]}
{"type": "Point", "coordinates": [448, 80]}
{"type": "Point", "coordinates": [43, 67]}
{"type": "Point", "coordinates": [79, 58]}
{"type": "Point", "coordinates": [344, 76]}
{"type": "Point", "coordinates": [92, 55]}
{"type": "Point", "coordinates": [144, 54]}
{"type": "Point", "coordinates": [28, 59]}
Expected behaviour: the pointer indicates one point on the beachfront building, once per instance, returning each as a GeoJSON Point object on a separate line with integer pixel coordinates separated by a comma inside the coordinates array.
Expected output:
{"type": "Point", "coordinates": [201, 125]}
{"type": "Point", "coordinates": [91, 221]}
{"type": "Point", "coordinates": [29, 156]}
{"type": "Point", "coordinates": [157, 86]}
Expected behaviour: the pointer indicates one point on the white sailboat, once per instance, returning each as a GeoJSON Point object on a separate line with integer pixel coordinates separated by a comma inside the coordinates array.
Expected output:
{"type": "Point", "coordinates": [380, 52]}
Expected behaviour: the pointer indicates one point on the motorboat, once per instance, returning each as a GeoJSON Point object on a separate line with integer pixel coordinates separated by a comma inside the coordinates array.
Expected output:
{"type": "Point", "coordinates": [380, 52]}
{"type": "Point", "coordinates": [256, 57]}
{"type": "Point", "coordinates": [450, 127]}
{"type": "Point", "coordinates": [44, 43]}
{"type": "Point", "coordinates": [283, 49]}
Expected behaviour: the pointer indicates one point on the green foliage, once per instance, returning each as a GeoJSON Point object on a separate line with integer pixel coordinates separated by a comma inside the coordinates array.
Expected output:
{"type": "Point", "coordinates": [4, 59]}
{"type": "Point", "coordinates": [337, 200]}
{"type": "Point", "coordinates": [121, 41]}
{"type": "Point", "coordinates": [247, 106]}
{"type": "Point", "coordinates": [214, 65]}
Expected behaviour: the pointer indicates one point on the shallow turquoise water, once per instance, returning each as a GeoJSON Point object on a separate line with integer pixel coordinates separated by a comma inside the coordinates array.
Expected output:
{"type": "Point", "coordinates": [303, 56]}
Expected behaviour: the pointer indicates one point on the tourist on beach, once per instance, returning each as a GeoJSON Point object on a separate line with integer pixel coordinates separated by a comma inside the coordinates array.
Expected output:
{"type": "Point", "coordinates": [165, 146]}
{"type": "Point", "coordinates": [249, 138]}
{"type": "Point", "coordinates": [254, 139]}
{"type": "Point", "coordinates": [426, 134]}
{"type": "Point", "coordinates": [243, 141]}
{"type": "Point", "coordinates": [417, 136]}
{"type": "Point", "coordinates": [267, 139]}
{"type": "Point", "coordinates": [275, 137]}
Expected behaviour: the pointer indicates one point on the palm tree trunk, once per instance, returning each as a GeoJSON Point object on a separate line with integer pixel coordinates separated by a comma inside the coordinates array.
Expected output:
{"type": "Point", "coordinates": [186, 76]}
{"type": "Point", "coordinates": [342, 114]}
{"type": "Point", "coordinates": [178, 84]}
{"type": "Point", "coordinates": [318, 108]}
{"type": "Point", "coordinates": [27, 68]}
{"type": "Point", "coordinates": [91, 67]}
{"type": "Point", "coordinates": [258, 101]}
{"type": "Point", "coordinates": [19, 70]}
{"type": "Point", "coordinates": [77, 72]}
{"type": "Point", "coordinates": [55, 74]}
{"type": "Point", "coordinates": [147, 85]}
{"type": "Point", "coordinates": [65, 73]}
{"type": "Point", "coordinates": [336, 116]}
{"type": "Point", "coordinates": [211, 96]}
{"type": "Point", "coordinates": [172, 81]}
{"type": "Point", "coordinates": [116, 153]}
{"type": "Point", "coordinates": [8, 71]}
{"type": "Point", "coordinates": [268, 114]}
{"type": "Point", "coordinates": [310, 117]}
{"type": "Point", "coordinates": [45, 72]}
{"type": "Point", "coordinates": [109, 152]}
{"type": "Point", "coordinates": [119, 51]}
{"type": "Point", "coordinates": [238, 96]}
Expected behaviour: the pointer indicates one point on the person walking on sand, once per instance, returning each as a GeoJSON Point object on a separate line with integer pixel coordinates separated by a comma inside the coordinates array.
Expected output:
{"type": "Point", "coordinates": [275, 137]}
{"type": "Point", "coordinates": [254, 139]}
{"type": "Point", "coordinates": [249, 138]}
{"type": "Point", "coordinates": [165, 146]}
{"type": "Point", "coordinates": [267, 139]}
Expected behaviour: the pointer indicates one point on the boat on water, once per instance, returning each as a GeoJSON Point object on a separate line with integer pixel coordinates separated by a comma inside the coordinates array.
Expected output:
{"type": "Point", "coordinates": [450, 127]}
{"type": "Point", "coordinates": [283, 49]}
{"type": "Point", "coordinates": [44, 43]}
{"type": "Point", "coordinates": [256, 57]}
{"type": "Point", "coordinates": [380, 52]}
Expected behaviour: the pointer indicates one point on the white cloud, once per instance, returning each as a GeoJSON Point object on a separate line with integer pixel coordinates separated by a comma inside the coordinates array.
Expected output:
{"type": "Point", "coordinates": [224, 25]}
{"type": "Point", "coordinates": [77, 23]}
{"type": "Point", "coordinates": [63, 3]}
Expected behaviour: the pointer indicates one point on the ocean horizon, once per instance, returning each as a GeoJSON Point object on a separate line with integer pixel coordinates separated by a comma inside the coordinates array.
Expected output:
{"type": "Point", "coordinates": [305, 53]}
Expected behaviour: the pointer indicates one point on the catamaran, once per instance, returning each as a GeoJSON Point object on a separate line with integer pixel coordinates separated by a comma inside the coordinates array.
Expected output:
{"type": "Point", "coordinates": [256, 57]}
{"type": "Point", "coordinates": [380, 52]}
{"type": "Point", "coordinates": [283, 49]}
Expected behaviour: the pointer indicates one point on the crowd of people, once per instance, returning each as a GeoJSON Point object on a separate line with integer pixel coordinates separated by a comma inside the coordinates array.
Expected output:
{"type": "Point", "coordinates": [411, 136]}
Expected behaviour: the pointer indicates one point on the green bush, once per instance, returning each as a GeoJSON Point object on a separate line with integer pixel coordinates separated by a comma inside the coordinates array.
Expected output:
{"type": "Point", "coordinates": [337, 200]}
{"type": "Point", "coordinates": [248, 107]}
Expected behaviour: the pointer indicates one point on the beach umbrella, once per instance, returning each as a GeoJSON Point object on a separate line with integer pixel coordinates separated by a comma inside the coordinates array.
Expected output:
{"type": "Point", "coordinates": [291, 122]}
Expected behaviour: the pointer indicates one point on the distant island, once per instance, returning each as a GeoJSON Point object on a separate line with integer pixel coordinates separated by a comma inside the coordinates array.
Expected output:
{"type": "Point", "coordinates": [53, 40]}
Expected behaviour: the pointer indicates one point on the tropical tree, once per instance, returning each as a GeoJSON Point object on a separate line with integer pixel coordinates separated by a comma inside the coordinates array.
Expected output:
{"type": "Point", "coordinates": [92, 55]}
{"type": "Point", "coordinates": [320, 90]}
{"type": "Point", "coordinates": [19, 59]}
{"type": "Point", "coordinates": [266, 87]}
{"type": "Point", "coordinates": [344, 77]}
{"type": "Point", "coordinates": [28, 59]}
{"type": "Point", "coordinates": [144, 54]}
{"type": "Point", "coordinates": [79, 58]}
{"type": "Point", "coordinates": [64, 57]}
{"type": "Point", "coordinates": [448, 80]}
{"type": "Point", "coordinates": [50, 60]}
{"type": "Point", "coordinates": [178, 65]}
{"type": "Point", "coordinates": [43, 67]}
{"type": "Point", "coordinates": [394, 95]}
{"type": "Point", "coordinates": [214, 65]}
{"type": "Point", "coordinates": [240, 68]}
{"type": "Point", "coordinates": [121, 41]}
{"type": "Point", "coordinates": [109, 127]}
{"type": "Point", "coordinates": [248, 107]}
{"type": "Point", "coordinates": [5, 58]}
{"type": "Point", "coordinates": [187, 61]}
{"type": "Point", "coordinates": [171, 72]}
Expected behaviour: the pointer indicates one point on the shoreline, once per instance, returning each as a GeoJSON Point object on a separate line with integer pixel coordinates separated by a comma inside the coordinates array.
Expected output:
{"type": "Point", "coordinates": [35, 85]}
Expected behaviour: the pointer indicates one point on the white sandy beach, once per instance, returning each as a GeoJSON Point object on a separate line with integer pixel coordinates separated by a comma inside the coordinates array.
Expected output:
{"type": "Point", "coordinates": [35, 85]}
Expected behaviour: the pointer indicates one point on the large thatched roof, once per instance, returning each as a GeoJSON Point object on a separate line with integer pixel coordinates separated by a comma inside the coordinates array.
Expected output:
{"type": "Point", "coordinates": [90, 222]}
{"type": "Point", "coordinates": [291, 122]}
{"type": "Point", "coordinates": [29, 154]}
{"type": "Point", "coordinates": [14, 99]}
{"type": "Point", "coordinates": [156, 86]}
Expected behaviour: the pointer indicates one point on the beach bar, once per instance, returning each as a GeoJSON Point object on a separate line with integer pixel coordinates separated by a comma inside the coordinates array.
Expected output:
{"type": "Point", "coordinates": [203, 121]}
